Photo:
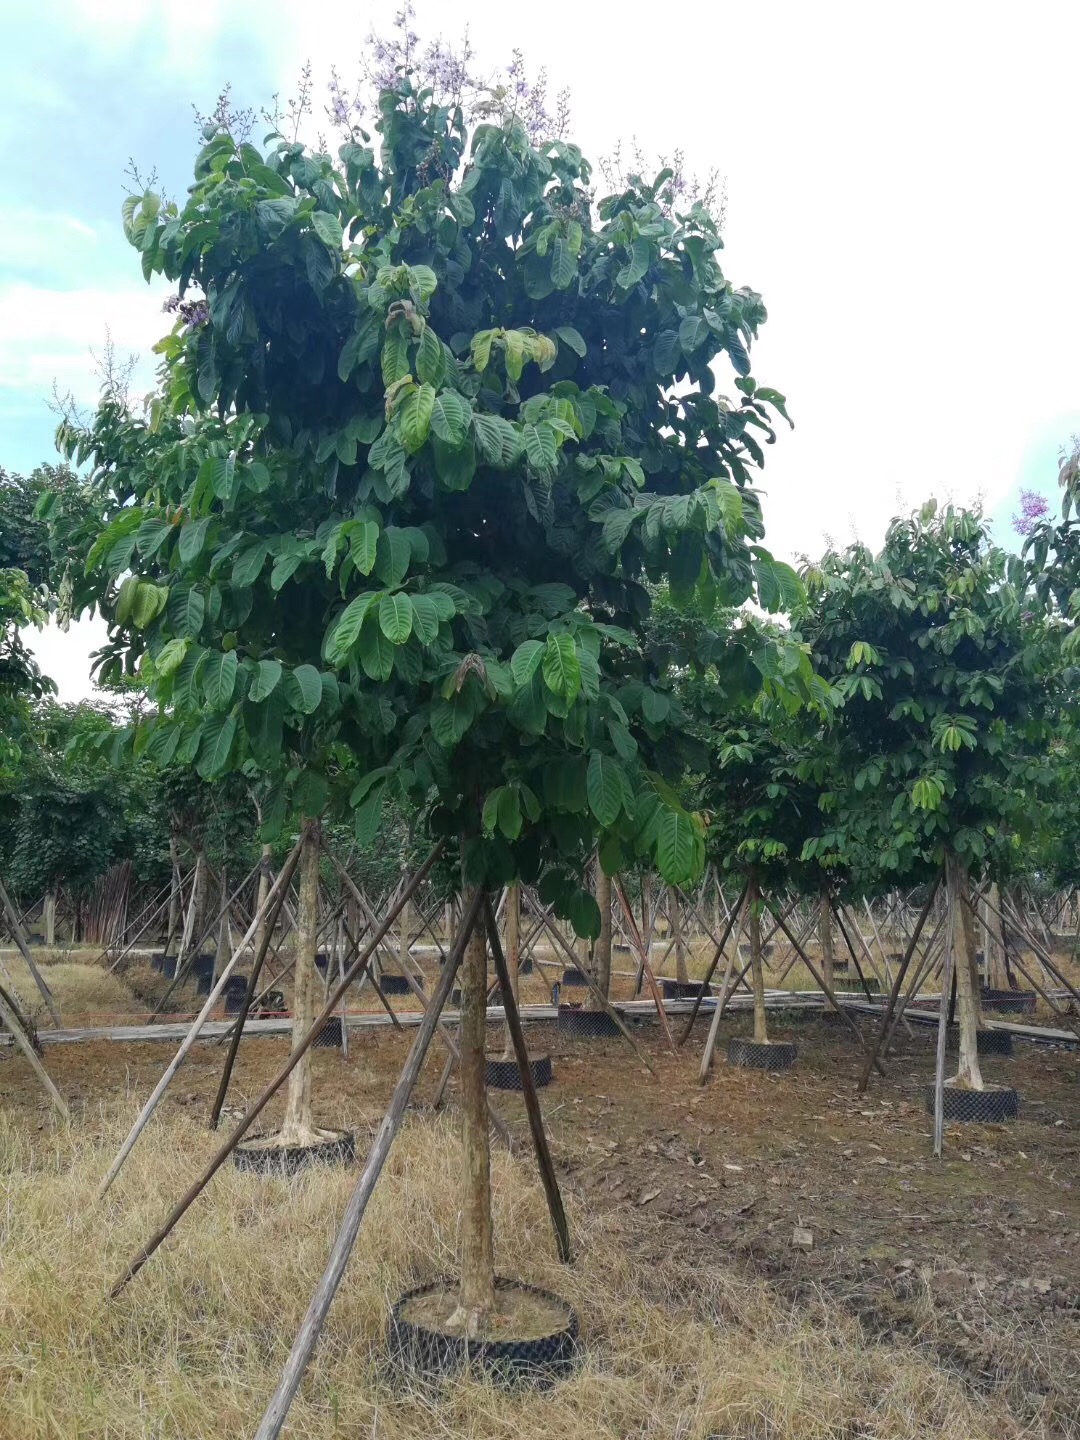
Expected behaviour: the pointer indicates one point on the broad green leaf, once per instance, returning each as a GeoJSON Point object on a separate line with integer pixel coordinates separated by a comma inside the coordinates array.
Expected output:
{"type": "Point", "coordinates": [187, 609]}
{"type": "Point", "coordinates": [368, 816]}
{"type": "Point", "coordinates": [450, 418]}
{"type": "Point", "coordinates": [248, 565]}
{"type": "Point", "coordinates": [571, 337]}
{"type": "Point", "coordinates": [365, 539]}
{"type": "Point", "coordinates": [500, 442]}
{"type": "Point", "coordinates": [636, 266]}
{"type": "Point", "coordinates": [655, 706]}
{"type": "Point", "coordinates": [219, 679]}
{"type": "Point", "coordinates": [676, 845]}
{"type": "Point", "coordinates": [430, 361]}
{"type": "Point", "coordinates": [396, 618]}
{"type": "Point", "coordinates": [345, 631]}
{"type": "Point", "coordinates": [425, 618]}
{"type": "Point", "coordinates": [540, 446]}
{"type": "Point", "coordinates": [584, 914]}
{"type": "Point", "coordinates": [376, 652]}
{"type": "Point", "coordinates": [562, 669]}
{"type": "Point", "coordinates": [563, 264]}
{"type": "Point", "coordinates": [392, 555]}
{"type": "Point", "coordinates": [267, 675]}
{"type": "Point", "coordinates": [605, 788]}
{"type": "Point", "coordinates": [172, 655]}
{"type": "Point", "coordinates": [415, 417]}
{"type": "Point", "coordinates": [215, 745]}
{"type": "Point", "coordinates": [192, 539]}
{"type": "Point", "coordinates": [524, 661]}
{"type": "Point", "coordinates": [303, 689]}
{"type": "Point", "coordinates": [150, 600]}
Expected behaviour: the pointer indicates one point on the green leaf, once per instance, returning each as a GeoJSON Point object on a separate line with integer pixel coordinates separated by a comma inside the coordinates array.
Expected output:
{"type": "Point", "coordinates": [571, 337]}
{"type": "Point", "coordinates": [392, 555]}
{"type": "Point", "coordinates": [562, 669]}
{"type": "Point", "coordinates": [150, 601]}
{"type": "Point", "coordinates": [365, 539]}
{"type": "Point", "coordinates": [430, 360]}
{"type": "Point", "coordinates": [655, 706]}
{"type": "Point", "coordinates": [192, 539]}
{"type": "Point", "coordinates": [425, 618]}
{"type": "Point", "coordinates": [584, 914]}
{"type": "Point", "coordinates": [396, 618]}
{"type": "Point", "coordinates": [248, 565]}
{"type": "Point", "coordinates": [605, 788]}
{"type": "Point", "coordinates": [524, 661]}
{"type": "Point", "coordinates": [328, 229]}
{"type": "Point", "coordinates": [187, 610]}
{"type": "Point", "coordinates": [540, 446]}
{"type": "Point", "coordinates": [215, 746]}
{"type": "Point", "coordinates": [693, 331]}
{"type": "Point", "coordinates": [345, 631]}
{"type": "Point", "coordinates": [285, 567]}
{"type": "Point", "coordinates": [172, 655]}
{"type": "Point", "coordinates": [303, 689]}
{"type": "Point", "coordinates": [676, 844]}
{"type": "Point", "coordinates": [450, 418]}
{"type": "Point", "coordinates": [415, 417]}
{"type": "Point", "coordinates": [219, 679]}
{"type": "Point", "coordinates": [376, 653]}
{"type": "Point", "coordinates": [500, 441]}
{"type": "Point", "coordinates": [267, 675]}
{"type": "Point", "coordinates": [563, 264]}
{"type": "Point", "coordinates": [369, 816]}
{"type": "Point", "coordinates": [636, 266]}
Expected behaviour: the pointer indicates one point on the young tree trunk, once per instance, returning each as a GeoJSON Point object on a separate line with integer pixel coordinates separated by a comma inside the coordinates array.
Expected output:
{"type": "Point", "coordinates": [997, 976]}
{"type": "Point", "coordinates": [174, 891]}
{"type": "Point", "coordinates": [681, 973]}
{"type": "Point", "coordinates": [761, 1033]}
{"type": "Point", "coordinates": [602, 953]}
{"type": "Point", "coordinates": [264, 890]}
{"type": "Point", "coordinates": [50, 917]}
{"type": "Point", "coordinates": [825, 933]}
{"type": "Point", "coordinates": [223, 952]}
{"type": "Point", "coordinates": [477, 1294]}
{"type": "Point", "coordinates": [513, 954]}
{"type": "Point", "coordinates": [298, 1127]}
{"type": "Point", "coordinates": [405, 924]}
{"type": "Point", "coordinates": [968, 1073]}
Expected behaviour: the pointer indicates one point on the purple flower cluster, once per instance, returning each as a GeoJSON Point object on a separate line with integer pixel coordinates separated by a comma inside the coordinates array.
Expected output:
{"type": "Point", "coordinates": [192, 312]}
{"type": "Point", "coordinates": [1033, 509]}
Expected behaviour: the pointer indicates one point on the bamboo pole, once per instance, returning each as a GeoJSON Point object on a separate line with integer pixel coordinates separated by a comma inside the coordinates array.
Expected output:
{"type": "Point", "coordinates": [24, 951]}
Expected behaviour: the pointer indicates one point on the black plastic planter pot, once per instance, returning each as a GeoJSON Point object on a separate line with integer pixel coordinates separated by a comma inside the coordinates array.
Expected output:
{"type": "Point", "coordinates": [168, 966]}
{"type": "Point", "coordinates": [321, 961]}
{"type": "Point", "coordinates": [586, 1024]}
{"type": "Point", "coordinates": [755, 1055]}
{"type": "Point", "coordinates": [526, 966]}
{"type": "Point", "coordinates": [1009, 1002]}
{"type": "Point", "coordinates": [329, 1037]}
{"type": "Point", "coordinates": [394, 985]}
{"type": "Point", "coordinates": [157, 962]}
{"type": "Point", "coordinates": [992, 1106]}
{"type": "Point", "coordinates": [203, 966]}
{"type": "Point", "coordinates": [505, 1075]}
{"type": "Point", "coordinates": [258, 1158]}
{"type": "Point", "coordinates": [574, 977]}
{"type": "Point", "coordinates": [203, 984]}
{"type": "Point", "coordinates": [432, 1355]}
{"type": "Point", "coordinates": [989, 1042]}
{"type": "Point", "coordinates": [684, 989]}
{"type": "Point", "coordinates": [234, 992]}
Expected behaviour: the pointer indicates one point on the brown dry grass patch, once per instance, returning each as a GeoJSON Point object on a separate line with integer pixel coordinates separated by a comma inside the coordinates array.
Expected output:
{"type": "Point", "coordinates": [194, 1347]}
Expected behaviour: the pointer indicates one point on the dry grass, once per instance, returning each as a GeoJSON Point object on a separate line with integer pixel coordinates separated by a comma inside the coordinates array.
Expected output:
{"type": "Point", "coordinates": [80, 990]}
{"type": "Point", "coordinates": [195, 1346]}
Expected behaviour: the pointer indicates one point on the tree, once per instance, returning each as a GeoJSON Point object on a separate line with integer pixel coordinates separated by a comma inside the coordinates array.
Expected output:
{"type": "Point", "coordinates": [388, 528]}
{"type": "Point", "coordinates": [941, 675]}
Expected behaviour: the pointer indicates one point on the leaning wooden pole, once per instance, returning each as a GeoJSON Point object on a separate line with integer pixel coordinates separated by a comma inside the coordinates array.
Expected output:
{"type": "Point", "coordinates": [12, 1018]}
{"type": "Point", "coordinates": [24, 951]}
{"type": "Point", "coordinates": [717, 955]}
{"type": "Point", "coordinates": [252, 1114]}
{"type": "Point", "coordinates": [308, 1335]}
{"type": "Point", "coordinates": [528, 1090]}
{"type": "Point", "coordinates": [943, 1026]}
{"type": "Point", "coordinates": [897, 986]}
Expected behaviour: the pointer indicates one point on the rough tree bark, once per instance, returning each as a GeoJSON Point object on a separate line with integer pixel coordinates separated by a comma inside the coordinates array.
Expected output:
{"type": "Point", "coordinates": [513, 954]}
{"type": "Point", "coordinates": [602, 953]}
{"type": "Point", "coordinates": [264, 890]}
{"type": "Point", "coordinates": [404, 935]}
{"type": "Point", "coordinates": [825, 933]}
{"type": "Point", "coordinates": [298, 1128]}
{"type": "Point", "coordinates": [761, 1033]}
{"type": "Point", "coordinates": [223, 952]}
{"type": "Point", "coordinates": [174, 891]}
{"type": "Point", "coordinates": [682, 975]}
{"type": "Point", "coordinates": [997, 977]}
{"type": "Point", "coordinates": [476, 1302]}
{"type": "Point", "coordinates": [50, 918]}
{"type": "Point", "coordinates": [968, 1007]}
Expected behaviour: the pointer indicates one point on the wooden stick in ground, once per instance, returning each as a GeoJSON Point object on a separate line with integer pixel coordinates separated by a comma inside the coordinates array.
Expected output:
{"type": "Point", "coordinates": [190, 1038]}
{"type": "Point", "coordinates": [657, 998]}
{"type": "Point", "coordinates": [728, 925]}
{"type": "Point", "coordinates": [939, 1072]}
{"type": "Point", "coordinates": [827, 988]}
{"type": "Point", "coordinates": [1055, 1008]}
{"type": "Point", "coordinates": [125, 953]}
{"type": "Point", "coordinates": [273, 900]}
{"type": "Point", "coordinates": [12, 1018]}
{"type": "Point", "coordinates": [738, 916]}
{"type": "Point", "coordinates": [24, 951]}
{"type": "Point", "coordinates": [1043, 955]}
{"type": "Point", "coordinates": [183, 967]}
{"type": "Point", "coordinates": [897, 985]}
{"type": "Point", "coordinates": [851, 951]}
{"type": "Point", "coordinates": [308, 1334]}
{"type": "Point", "coordinates": [528, 1090]}
{"type": "Point", "coordinates": [252, 1114]}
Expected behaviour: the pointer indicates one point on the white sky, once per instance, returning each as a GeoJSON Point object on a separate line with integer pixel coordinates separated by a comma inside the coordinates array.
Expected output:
{"type": "Point", "coordinates": [900, 183]}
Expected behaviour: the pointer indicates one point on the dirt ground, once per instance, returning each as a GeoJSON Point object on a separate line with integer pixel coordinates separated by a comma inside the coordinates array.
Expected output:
{"type": "Point", "coordinates": [975, 1258]}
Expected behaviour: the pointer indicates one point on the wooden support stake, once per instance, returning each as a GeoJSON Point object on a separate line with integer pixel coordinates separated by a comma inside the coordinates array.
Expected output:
{"type": "Point", "coordinates": [728, 925]}
{"type": "Point", "coordinates": [939, 1072]}
{"type": "Point", "coordinates": [896, 986]}
{"type": "Point", "coordinates": [308, 1334]}
{"type": "Point", "coordinates": [13, 1019]}
{"type": "Point", "coordinates": [738, 916]}
{"type": "Point", "coordinates": [528, 1090]}
{"type": "Point", "coordinates": [24, 951]}
{"type": "Point", "coordinates": [643, 952]}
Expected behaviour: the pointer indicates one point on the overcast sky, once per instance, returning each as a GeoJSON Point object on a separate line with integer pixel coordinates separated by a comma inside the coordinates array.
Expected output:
{"type": "Point", "coordinates": [900, 188]}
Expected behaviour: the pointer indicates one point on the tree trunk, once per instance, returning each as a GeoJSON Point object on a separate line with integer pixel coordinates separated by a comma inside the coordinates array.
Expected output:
{"type": "Point", "coordinates": [50, 917]}
{"type": "Point", "coordinates": [825, 932]}
{"type": "Point", "coordinates": [298, 1127]}
{"type": "Point", "coordinates": [223, 953]}
{"type": "Point", "coordinates": [957, 884]}
{"type": "Point", "coordinates": [761, 1033]}
{"type": "Point", "coordinates": [602, 953]}
{"type": "Point", "coordinates": [477, 1295]}
{"type": "Point", "coordinates": [264, 890]}
{"type": "Point", "coordinates": [997, 976]}
{"type": "Point", "coordinates": [174, 892]}
{"type": "Point", "coordinates": [404, 935]}
{"type": "Point", "coordinates": [513, 953]}
{"type": "Point", "coordinates": [681, 973]}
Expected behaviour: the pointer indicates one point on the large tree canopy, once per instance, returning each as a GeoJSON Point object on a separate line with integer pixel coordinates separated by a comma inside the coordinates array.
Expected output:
{"type": "Point", "coordinates": [429, 433]}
